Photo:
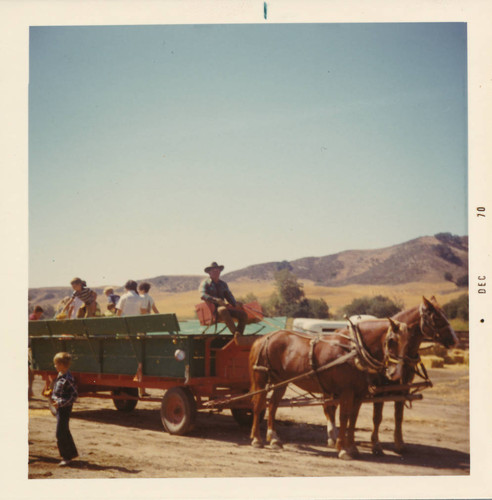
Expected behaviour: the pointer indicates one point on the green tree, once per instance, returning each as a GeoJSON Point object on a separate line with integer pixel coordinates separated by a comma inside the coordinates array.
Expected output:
{"type": "Point", "coordinates": [457, 308]}
{"type": "Point", "coordinates": [284, 265]}
{"type": "Point", "coordinates": [378, 306]}
{"type": "Point", "coordinates": [318, 308]}
{"type": "Point", "coordinates": [448, 276]}
{"type": "Point", "coordinates": [288, 288]}
{"type": "Point", "coordinates": [462, 281]}
{"type": "Point", "coordinates": [290, 300]}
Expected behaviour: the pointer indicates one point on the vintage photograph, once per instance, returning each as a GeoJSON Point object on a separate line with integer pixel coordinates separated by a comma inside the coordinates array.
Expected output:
{"type": "Point", "coordinates": [248, 250]}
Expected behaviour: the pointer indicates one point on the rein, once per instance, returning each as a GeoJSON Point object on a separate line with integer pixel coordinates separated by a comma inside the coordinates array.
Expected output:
{"type": "Point", "coordinates": [365, 360]}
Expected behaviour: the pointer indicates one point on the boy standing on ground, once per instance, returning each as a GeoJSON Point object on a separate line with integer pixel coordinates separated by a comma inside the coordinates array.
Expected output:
{"type": "Point", "coordinates": [63, 396]}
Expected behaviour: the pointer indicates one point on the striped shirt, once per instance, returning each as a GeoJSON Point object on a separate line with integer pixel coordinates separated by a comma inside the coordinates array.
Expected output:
{"type": "Point", "coordinates": [64, 390]}
{"type": "Point", "coordinates": [86, 295]}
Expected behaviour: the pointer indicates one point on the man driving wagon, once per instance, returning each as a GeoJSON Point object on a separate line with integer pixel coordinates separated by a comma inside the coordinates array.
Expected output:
{"type": "Point", "coordinates": [224, 306]}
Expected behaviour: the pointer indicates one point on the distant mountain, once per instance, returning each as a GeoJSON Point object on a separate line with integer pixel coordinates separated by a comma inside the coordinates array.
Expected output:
{"type": "Point", "coordinates": [425, 259]}
{"type": "Point", "coordinates": [166, 284]}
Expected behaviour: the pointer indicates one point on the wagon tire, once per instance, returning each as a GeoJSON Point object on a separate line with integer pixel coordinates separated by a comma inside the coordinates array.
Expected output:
{"type": "Point", "coordinates": [244, 416]}
{"type": "Point", "coordinates": [178, 411]}
{"type": "Point", "coordinates": [125, 405]}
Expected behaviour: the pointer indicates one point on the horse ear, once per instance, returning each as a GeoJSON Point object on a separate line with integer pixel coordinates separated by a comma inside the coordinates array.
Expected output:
{"type": "Point", "coordinates": [434, 301]}
{"type": "Point", "coordinates": [427, 303]}
{"type": "Point", "coordinates": [395, 327]}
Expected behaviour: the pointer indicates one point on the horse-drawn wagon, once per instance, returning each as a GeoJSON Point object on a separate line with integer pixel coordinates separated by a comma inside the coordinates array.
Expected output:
{"type": "Point", "coordinates": [114, 357]}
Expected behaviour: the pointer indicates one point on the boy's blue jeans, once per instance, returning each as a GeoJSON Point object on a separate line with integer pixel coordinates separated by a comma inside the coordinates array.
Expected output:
{"type": "Point", "coordinates": [64, 438]}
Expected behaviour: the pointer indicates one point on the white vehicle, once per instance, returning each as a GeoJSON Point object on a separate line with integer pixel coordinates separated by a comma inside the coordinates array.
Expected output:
{"type": "Point", "coordinates": [311, 325]}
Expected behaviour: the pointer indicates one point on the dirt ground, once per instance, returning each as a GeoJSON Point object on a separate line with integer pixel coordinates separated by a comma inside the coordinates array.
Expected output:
{"type": "Point", "coordinates": [114, 444]}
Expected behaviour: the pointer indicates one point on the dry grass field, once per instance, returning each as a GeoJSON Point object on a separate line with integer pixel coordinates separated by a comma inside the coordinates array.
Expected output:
{"type": "Point", "coordinates": [336, 297]}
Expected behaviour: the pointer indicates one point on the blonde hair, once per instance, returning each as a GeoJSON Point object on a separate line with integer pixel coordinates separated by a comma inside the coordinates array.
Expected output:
{"type": "Point", "coordinates": [108, 289]}
{"type": "Point", "coordinates": [64, 358]}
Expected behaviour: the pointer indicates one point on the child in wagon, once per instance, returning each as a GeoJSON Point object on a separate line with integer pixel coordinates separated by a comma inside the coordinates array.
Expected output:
{"type": "Point", "coordinates": [86, 295]}
{"type": "Point", "coordinates": [148, 303]}
{"type": "Point", "coordinates": [112, 301]}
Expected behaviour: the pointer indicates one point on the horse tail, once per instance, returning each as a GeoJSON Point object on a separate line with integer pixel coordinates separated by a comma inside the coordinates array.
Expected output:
{"type": "Point", "coordinates": [259, 366]}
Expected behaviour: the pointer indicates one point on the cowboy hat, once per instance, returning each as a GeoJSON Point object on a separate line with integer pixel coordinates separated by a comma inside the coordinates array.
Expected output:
{"type": "Point", "coordinates": [214, 265]}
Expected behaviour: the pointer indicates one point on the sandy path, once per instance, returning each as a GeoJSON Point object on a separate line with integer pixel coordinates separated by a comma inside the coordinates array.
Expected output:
{"type": "Point", "coordinates": [134, 445]}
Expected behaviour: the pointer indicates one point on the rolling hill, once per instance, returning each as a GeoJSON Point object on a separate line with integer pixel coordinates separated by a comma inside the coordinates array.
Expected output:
{"type": "Point", "coordinates": [423, 260]}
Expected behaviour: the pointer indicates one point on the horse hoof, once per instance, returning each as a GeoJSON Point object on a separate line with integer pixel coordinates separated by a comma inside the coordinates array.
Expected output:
{"type": "Point", "coordinates": [331, 443]}
{"type": "Point", "coordinates": [256, 443]}
{"type": "Point", "coordinates": [276, 445]}
{"type": "Point", "coordinates": [377, 450]}
{"type": "Point", "coordinates": [344, 455]}
{"type": "Point", "coordinates": [400, 447]}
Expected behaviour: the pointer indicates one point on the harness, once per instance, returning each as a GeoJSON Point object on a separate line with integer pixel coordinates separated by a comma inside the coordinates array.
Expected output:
{"type": "Point", "coordinates": [363, 359]}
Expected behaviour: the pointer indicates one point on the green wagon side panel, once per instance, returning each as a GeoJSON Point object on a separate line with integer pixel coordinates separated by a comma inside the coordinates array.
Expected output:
{"type": "Point", "coordinates": [43, 351]}
{"type": "Point", "coordinates": [66, 327]}
{"type": "Point", "coordinates": [85, 355]}
{"type": "Point", "coordinates": [38, 328]}
{"type": "Point", "coordinates": [159, 356]}
{"type": "Point", "coordinates": [148, 323]}
{"type": "Point", "coordinates": [104, 326]}
{"type": "Point", "coordinates": [197, 356]}
{"type": "Point", "coordinates": [152, 323]}
{"type": "Point", "coordinates": [121, 356]}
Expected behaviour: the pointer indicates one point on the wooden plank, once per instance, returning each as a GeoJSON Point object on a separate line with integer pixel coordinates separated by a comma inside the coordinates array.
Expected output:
{"type": "Point", "coordinates": [104, 326]}
{"type": "Point", "coordinates": [148, 323]}
{"type": "Point", "coordinates": [38, 328]}
{"type": "Point", "coordinates": [152, 323]}
{"type": "Point", "coordinates": [59, 328]}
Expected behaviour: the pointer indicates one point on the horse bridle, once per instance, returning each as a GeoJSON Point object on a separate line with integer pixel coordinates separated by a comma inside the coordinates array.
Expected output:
{"type": "Point", "coordinates": [366, 361]}
{"type": "Point", "coordinates": [428, 326]}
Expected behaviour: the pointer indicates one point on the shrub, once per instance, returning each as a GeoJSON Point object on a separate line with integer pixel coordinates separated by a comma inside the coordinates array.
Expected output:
{"type": "Point", "coordinates": [445, 252]}
{"type": "Point", "coordinates": [448, 276]}
{"type": "Point", "coordinates": [457, 308]}
{"type": "Point", "coordinates": [378, 306]}
{"type": "Point", "coordinates": [462, 281]}
{"type": "Point", "coordinates": [449, 239]}
{"type": "Point", "coordinates": [289, 300]}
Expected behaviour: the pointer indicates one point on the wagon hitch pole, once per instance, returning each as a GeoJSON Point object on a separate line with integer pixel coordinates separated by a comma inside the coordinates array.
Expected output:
{"type": "Point", "coordinates": [223, 402]}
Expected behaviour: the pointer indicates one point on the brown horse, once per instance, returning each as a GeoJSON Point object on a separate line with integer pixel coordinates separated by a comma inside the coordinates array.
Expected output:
{"type": "Point", "coordinates": [284, 356]}
{"type": "Point", "coordinates": [426, 322]}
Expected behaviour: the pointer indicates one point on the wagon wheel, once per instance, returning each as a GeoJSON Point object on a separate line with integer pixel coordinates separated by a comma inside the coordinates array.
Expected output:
{"type": "Point", "coordinates": [244, 416]}
{"type": "Point", "coordinates": [125, 404]}
{"type": "Point", "coordinates": [178, 410]}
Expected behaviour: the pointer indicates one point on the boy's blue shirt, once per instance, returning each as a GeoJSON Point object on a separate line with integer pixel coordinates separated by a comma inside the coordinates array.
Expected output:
{"type": "Point", "coordinates": [64, 390]}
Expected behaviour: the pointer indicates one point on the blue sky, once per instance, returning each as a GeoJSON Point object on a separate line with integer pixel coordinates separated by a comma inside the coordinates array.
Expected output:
{"type": "Point", "coordinates": [157, 149]}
